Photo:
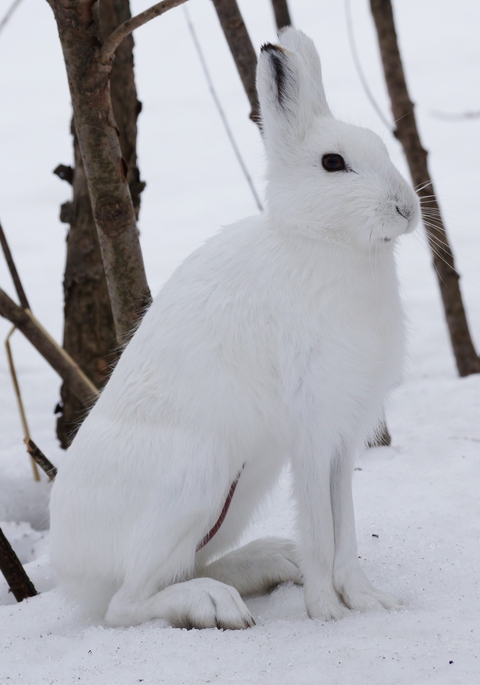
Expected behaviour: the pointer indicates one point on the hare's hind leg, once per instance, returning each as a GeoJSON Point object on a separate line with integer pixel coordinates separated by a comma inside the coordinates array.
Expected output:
{"type": "Point", "coordinates": [157, 559]}
{"type": "Point", "coordinates": [258, 567]}
{"type": "Point", "coordinates": [164, 557]}
{"type": "Point", "coordinates": [197, 603]}
{"type": "Point", "coordinates": [158, 548]}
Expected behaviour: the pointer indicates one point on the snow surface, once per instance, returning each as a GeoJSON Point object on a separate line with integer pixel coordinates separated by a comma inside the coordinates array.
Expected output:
{"type": "Point", "coordinates": [417, 502]}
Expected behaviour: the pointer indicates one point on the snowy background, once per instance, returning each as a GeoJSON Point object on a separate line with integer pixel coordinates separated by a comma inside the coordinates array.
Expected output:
{"type": "Point", "coordinates": [417, 502]}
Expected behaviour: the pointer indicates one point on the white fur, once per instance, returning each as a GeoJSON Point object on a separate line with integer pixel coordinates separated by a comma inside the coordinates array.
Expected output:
{"type": "Point", "coordinates": [277, 340]}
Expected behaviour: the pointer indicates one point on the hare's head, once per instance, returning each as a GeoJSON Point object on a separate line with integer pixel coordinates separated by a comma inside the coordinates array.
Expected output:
{"type": "Point", "coordinates": [326, 179]}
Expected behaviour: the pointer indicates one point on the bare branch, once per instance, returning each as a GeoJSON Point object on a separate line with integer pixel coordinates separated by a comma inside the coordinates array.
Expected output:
{"type": "Point", "coordinates": [448, 116]}
{"type": "Point", "coordinates": [13, 270]}
{"type": "Point", "coordinates": [38, 456]}
{"type": "Point", "coordinates": [241, 48]}
{"type": "Point", "coordinates": [407, 133]}
{"type": "Point", "coordinates": [23, 319]}
{"type": "Point", "coordinates": [125, 29]}
{"type": "Point", "coordinates": [9, 13]}
{"type": "Point", "coordinates": [56, 356]}
{"type": "Point", "coordinates": [15, 575]}
{"type": "Point", "coordinates": [282, 14]}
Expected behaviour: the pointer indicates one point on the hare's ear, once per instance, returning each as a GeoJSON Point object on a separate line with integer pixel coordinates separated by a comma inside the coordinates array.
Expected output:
{"type": "Point", "coordinates": [290, 89]}
{"type": "Point", "coordinates": [297, 42]}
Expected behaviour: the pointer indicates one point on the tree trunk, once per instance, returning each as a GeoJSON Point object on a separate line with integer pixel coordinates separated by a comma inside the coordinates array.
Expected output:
{"type": "Point", "coordinates": [126, 106]}
{"type": "Point", "coordinates": [89, 332]}
{"type": "Point", "coordinates": [105, 167]}
{"type": "Point", "coordinates": [282, 14]}
{"type": "Point", "coordinates": [407, 133]}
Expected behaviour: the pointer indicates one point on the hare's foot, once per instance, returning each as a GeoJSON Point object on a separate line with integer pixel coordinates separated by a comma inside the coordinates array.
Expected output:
{"type": "Point", "coordinates": [357, 592]}
{"type": "Point", "coordinates": [323, 603]}
{"type": "Point", "coordinates": [197, 603]}
{"type": "Point", "coordinates": [258, 567]}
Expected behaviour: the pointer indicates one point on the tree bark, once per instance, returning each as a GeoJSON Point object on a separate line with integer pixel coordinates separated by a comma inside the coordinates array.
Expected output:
{"type": "Point", "coordinates": [89, 331]}
{"type": "Point", "coordinates": [282, 14]}
{"type": "Point", "coordinates": [407, 133]}
{"type": "Point", "coordinates": [15, 575]}
{"type": "Point", "coordinates": [105, 167]}
{"type": "Point", "coordinates": [241, 48]}
{"type": "Point", "coordinates": [125, 104]}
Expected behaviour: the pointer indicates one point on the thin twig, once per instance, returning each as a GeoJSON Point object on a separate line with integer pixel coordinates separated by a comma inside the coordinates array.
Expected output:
{"type": "Point", "coordinates": [13, 270]}
{"type": "Point", "coordinates": [9, 13]}
{"type": "Point", "coordinates": [125, 29]}
{"type": "Point", "coordinates": [21, 408]}
{"type": "Point", "coordinates": [220, 110]}
{"type": "Point", "coordinates": [447, 116]}
{"type": "Point", "coordinates": [24, 302]}
{"type": "Point", "coordinates": [38, 456]}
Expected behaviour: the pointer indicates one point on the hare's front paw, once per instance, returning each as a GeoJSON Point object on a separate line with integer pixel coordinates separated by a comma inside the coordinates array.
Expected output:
{"type": "Point", "coordinates": [324, 605]}
{"type": "Point", "coordinates": [206, 603]}
{"type": "Point", "coordinates": [357, 592]}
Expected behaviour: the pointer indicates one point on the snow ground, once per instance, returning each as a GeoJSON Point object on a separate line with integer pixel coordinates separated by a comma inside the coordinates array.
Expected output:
{"type": "Point", "coordinates": [420, 496]}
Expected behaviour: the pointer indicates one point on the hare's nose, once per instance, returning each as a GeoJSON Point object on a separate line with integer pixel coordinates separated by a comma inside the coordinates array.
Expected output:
{"type": "Point", "coordinates": [405, 213]}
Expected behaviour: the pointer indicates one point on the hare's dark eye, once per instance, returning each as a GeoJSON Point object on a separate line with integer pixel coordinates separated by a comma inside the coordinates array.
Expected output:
{"type": "Point", "coordinates": [333, 162]}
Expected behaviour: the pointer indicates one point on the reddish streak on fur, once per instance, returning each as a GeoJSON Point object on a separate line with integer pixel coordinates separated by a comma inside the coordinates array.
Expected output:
{"type": "Point", "coordinates": [221, 518]}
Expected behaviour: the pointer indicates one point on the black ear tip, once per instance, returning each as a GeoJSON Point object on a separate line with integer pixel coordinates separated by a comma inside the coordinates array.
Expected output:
{"type": "Point", "coordinates": [269, 47]}
{"type": "Point", "coordinates": [276, 57]}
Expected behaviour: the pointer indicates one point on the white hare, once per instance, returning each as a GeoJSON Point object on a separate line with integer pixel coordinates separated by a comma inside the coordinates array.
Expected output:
{"type": "Point", "coordinates": [276, 341]}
